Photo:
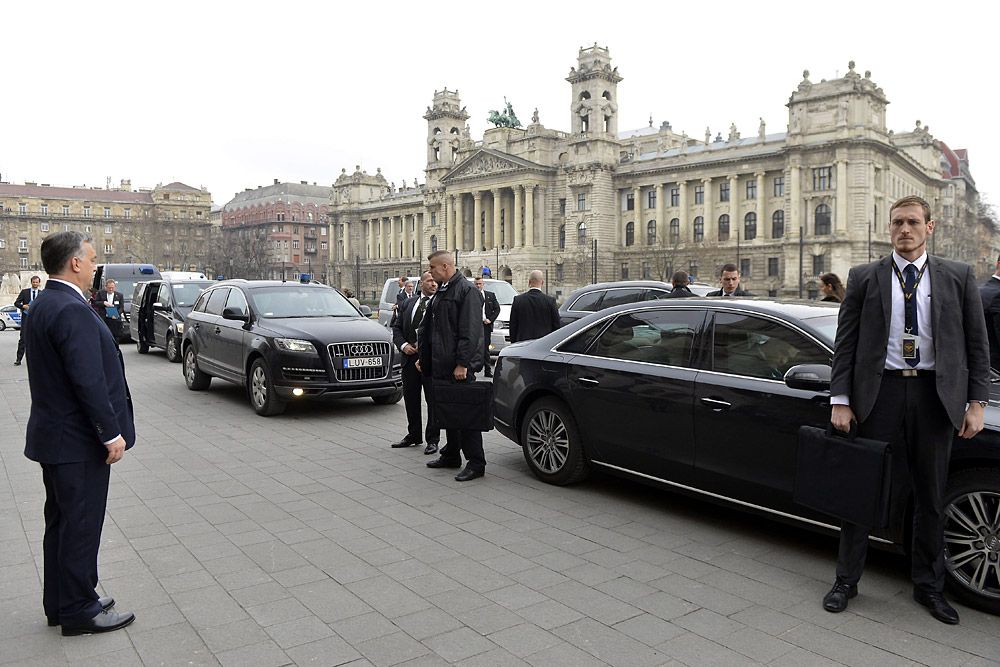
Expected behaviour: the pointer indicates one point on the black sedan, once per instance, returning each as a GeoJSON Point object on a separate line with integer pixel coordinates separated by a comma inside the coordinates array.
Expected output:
{"type": "Point", "coordinates": [706, 396]}
{"type": "Point", "coordinates": [288, 341]}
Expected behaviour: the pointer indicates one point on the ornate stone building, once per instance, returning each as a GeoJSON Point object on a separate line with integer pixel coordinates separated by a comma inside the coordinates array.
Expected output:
{"type": "Point", "coordinates": [166, 226]}
{"type": "Point", "coordinates": [596, 204]}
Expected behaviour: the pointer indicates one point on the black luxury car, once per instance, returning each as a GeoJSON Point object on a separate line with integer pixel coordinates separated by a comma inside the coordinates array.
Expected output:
{"type": "Point", "coordinates": [707, 396]}
{"type": "Point", "coordinates": [286, 341]}
{"type": "Point", "coordinates": [598, 296]}
{"type": "Point", "coordinates": [158, 311]}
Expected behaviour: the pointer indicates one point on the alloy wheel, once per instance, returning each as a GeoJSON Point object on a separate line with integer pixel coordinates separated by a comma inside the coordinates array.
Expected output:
{"type": "Point", "coordinates": [548, 441]}
{"type": "Point", "coordinates": [258, 387]}
{"type": "Point", "coordinates": [972, 542]}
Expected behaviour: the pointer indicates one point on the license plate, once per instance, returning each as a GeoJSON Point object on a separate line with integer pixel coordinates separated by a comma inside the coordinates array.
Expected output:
{"type": "Point", "coordinates": [362, 362]}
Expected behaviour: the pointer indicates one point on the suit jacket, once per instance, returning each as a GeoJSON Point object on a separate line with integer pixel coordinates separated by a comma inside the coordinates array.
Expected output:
{"type": "Point", "coordinates": [117, 299]}
{"type": "Point", "coordinates": [451, 333]}
{"type": "Point", "coordinates": [961, 349]}
{"type": "Point", "coordinates": [989, 293]}
{"type": "Point", "coordinates": [23, 299]}
{"type": "Point", "coordinates": [79, 396]}
{"type": "Point", "coordinates": [492, 309]}
{"type": "Point", "coordinates": [679, 293]}
{"type": "Point", "coordinates": [739, 292]}
{"type": "Point", "coordinates": [533, 315]}
{"type": "Point", "coordinates": [403, 330]}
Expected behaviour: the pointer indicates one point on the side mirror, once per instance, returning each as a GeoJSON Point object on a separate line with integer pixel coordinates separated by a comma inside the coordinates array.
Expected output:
{"type": "Point", "coordinates": [159, 306]}
{"type": "Point", "coordinates": [235, 314]}
{"type": "Point", "coordinates": [366, 310]}
{"type": "Point", "coordinates": [810, 377]}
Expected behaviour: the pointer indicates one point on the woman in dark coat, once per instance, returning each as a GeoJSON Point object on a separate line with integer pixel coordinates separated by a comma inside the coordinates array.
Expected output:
{"type": "Point", "coordinates": [831, 287]}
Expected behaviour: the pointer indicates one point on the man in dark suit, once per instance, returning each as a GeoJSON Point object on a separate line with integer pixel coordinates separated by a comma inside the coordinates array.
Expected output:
{"type": "Point", "coordinates": [680, 282]}
{"type": "Point", "coordinates": [111, 304]}
{"type": "Point", "coordinates": [404, 293]}
{"type": "Point", "coordinates": [80, 423]}
{"type": "Point", "coordinates": [23, 303]}
{"type": "Point", "coordinates": [533, 314]}
{"type": "Point", "coordinates": [729, 279]}
{"type": "Point", "coordinates": [491, 308]}
{"type": "Point", "coordinates": [404, 337]}
{"type": "Point", "coordinates": [911, 370]}
{"type": "Point", "coordinates": [989, 293]}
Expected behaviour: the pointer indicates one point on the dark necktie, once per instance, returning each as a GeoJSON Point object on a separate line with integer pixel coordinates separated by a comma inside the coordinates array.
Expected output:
{"type": "Point", "coordinates": [910, 307]}
{"type": "Point", "coordinates": [33, 294]}
{"type": "Point", "coordinates": [419, 314]}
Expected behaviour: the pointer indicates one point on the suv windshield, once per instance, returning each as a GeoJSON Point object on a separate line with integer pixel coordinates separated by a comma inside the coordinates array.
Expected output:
{"type": "Point", "coordinates": [186, 293]}
{"type": "Point", "coordinates": [294, 301]}
{"type": "Point", "coordinates": [504, 292]}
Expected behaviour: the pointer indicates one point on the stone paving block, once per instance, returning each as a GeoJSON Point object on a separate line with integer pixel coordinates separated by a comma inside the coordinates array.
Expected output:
{"type": "Point", "coordinates": [608, 645]}
{"type": "Point", "coordinates": [798, 657]}
{"type": "Point", "coordinates": [495, 658]}
{"type": "Point", "coordinates": [701, 594]}
{"type": "Point", "coordinates": [665, 606]}
{"type": "Point", "coordinates": [549, 614]}
{"type": "Point", "coordinates": [299, 631]}
{"type": "Point", "coordinates": [233, 635]}
{"type": "Point", "coordinates": [391, 649]}
{"type": "Point", "coordinates": [840, 647]}
{"type": "Point", "coordinates": [427, 623]}
{"type": "Point", "coordinates": [363, 627]}
{"type": "Point", "coordinates": [756, 645]}
{"type": "Point", "coordinates": [207, 607]}
{"type": "Point", "coordinates": [590, 602]}
{"type": "Point", "coordinates": [770, 621]}
{"type": "Point", "coordinates": [691, 649]}
{"type": "Point", "coordinates": [538, 577]}
{"type": "Point", "coordinates": [265, 654]}
{"type": "Point", "coordinates": [387, 596]}
{"type": "Point", "coordinates": [708, 624]}
{"type": "Point", "coordinates": [127, 657]}
{"type": "Point", "coordinates": [916, 647]}
{"type": "Point", "coordinates": [299, 575]}
{"type": "Point", "coordinates": [254, 576]}
{"type": "Point", "coordinates": [490, 618]}
{"type": "Point", "coordinates": [474, 575]}
{"type": "Point", "coordinates": [523, 640]}
{"type": "Point", "coordinates": [515, 597]}
{"type": "Point", "coordinates": [458, 600]}
{"type": "Point", "coordinates": [329, 600]}
{"type": "Point", "coordinates": [259, 594]}
{"type": "Point", "coordinates": [459, 644]}
{"type": "Point", "coordinates": [563, 654]}
{"type": "Point", "coordinates": [649, 629]}
{"type": "Point", "coordinates": [172, 645]}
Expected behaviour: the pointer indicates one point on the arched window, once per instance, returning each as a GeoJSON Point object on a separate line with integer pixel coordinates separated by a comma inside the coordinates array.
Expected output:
{"type": "Point", "coordinates": [675, 230]}
{"type": "Point", "coordinates": [723, 227]}
{"type": "Point", "coordinates": [630, 234]}
{"type": "Point", "coordinates": [434, 243]}
{"type": "Point", "coordinates": [454, 130]}
{"type": "Point", "coordinates": [699, 228]}
{"type": "Point", "coordinates": [581, 233]}
{"type": "Point", "coordinates": [562, 236]}
{"type": "Point", "coordinates": [585, 95]}
{"type": "Point", "coordinates": [822, 225]}
{"type": "Point", "coordinates": [750, 226]}
{"type": "Point", "coordinates": [606, 95]}
{"type": "Point", "coordinates": [778, 225]}
{"type": "Point", "coordinates": [651, 232]}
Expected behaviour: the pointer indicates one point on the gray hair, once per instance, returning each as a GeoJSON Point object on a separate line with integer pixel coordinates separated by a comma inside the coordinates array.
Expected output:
{"type": "Point", "coordinates": [57, 249]}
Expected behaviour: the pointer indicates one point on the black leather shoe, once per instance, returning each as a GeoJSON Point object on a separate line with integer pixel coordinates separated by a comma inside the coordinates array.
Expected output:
{"type": "Point", "coordinates": [468, 474]}
{"type": "Point", "coordinates": [443, 463]}
{"type": "Point", "coordinates": [836, 600]}
{"type": "Point", "coordinates": [938, 606]}
{"type": "Point", "coordinates": [431, 448]}
{"type": "Point", "coordinates": [405, 442]}
{"type": "Point", "coordinates": [106, 603]}
{"type": "Point", "coordinates": [17, 363]}
{"type": "Point", "coordinates": [106, 621]}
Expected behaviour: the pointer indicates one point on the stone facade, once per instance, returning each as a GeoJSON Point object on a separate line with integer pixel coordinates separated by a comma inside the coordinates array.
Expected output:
{"type": "Point", "coordinates": [167, 226]}
{"type": "Point", "coordinates": [597, 204]}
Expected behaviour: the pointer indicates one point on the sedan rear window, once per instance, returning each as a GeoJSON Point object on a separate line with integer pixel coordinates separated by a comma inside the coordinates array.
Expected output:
{"type": "Point", "coordinates": [588, 301]}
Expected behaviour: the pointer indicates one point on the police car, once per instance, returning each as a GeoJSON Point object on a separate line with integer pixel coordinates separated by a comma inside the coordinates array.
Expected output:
{"type": "Point", "coordinates": [10, 318]}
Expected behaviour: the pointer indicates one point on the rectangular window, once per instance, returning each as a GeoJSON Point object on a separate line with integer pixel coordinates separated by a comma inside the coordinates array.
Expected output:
{"type": "Point", "coordinates": [724, 191]}
{"type": "Point", "coordinates": [322, 231]}
{"type": "Point", "coordinates": [624, 270]}
{"type": "Point", "coordinates": [745, 268]}
{"type": "Point", "coordinates": [86, 211]}
{"type": "Point", "coordinates": [107, 229]}
{"type": "Point", "coordinates": [322, 245]}
{"type": "Point", "coordinates": [107, 212]}
{"type": "Point", "coordinates": [581, 202]}
{"type": "Point", "coordinates": [562, 207]}
{"type": "Point", "coordinates": [652, 198]}
{"type": "Point", "coordinates": [699, 194]}
{"type": "Point", "coordinates": [65, 210]}
{"type": "Point", "coordinates": [22, 244]}
{"type": "Point", "coordinates": [434, 219]}
{"type": "Point", "coordinates": [108, 249]}
{"type": "Point", "coordinates": [45, 226]}
{"type": "Point", "coordinates": [630, 202]}
{"type": "Point", "coordinates": [24, 262]}
{"type": "Point", "coordinates": [675, 196]}
{"type": "Point", "coordinates": [86, 229]}
{"type": "Point", "coordinates": [822, 178]}
{"type": "Point", "coordinates": [295, 244]}
{"type": "Point", "coordinates": [128, 214]}
{"type": "Point", "coordinates": [645, 271]}
{"type": "Point", "coordinates": [819, 264]}
{"type": "Point", "coordinates": [22, 209]}
{"type": "Point", "coordinates": [3, 244]}
{"type": "Point", "coordinates": [45, 209]}
{"type": "Point", "coordinates": [779, 186]}
{"type": "Point", "coordinates": [772, 267]}
{"type": "Point", "coordinates": [693, 268]}
{"type": "Point", "coordinates": [752, 189]}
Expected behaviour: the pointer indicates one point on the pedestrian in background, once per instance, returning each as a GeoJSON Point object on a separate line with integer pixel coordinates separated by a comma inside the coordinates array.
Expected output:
{"type": "Point", "coordinates": [450, 346]}
{"type": "Point", "coordinates": [404, 337]}
{"type": "Point", "coordinates": [491, 308]}
{"type": "Point", "coordinates": [832, 288]}
{"type": "Point", "coordinates": [23, 303]}
{"type": "Point", "coordinates": [110, 303]}
{"type": "Point", "coordinates": [910, 370]}
{"type": "Point", "coordinates": [729, 281]}
{"type": "Point", "coordinates": [989, 293]}
{"type": "Point", "coordinates": [80, 424]}
{"type": "Point", "coordinates": [533, 314]}
{"type": "Point", "coordinates": [680, 281]}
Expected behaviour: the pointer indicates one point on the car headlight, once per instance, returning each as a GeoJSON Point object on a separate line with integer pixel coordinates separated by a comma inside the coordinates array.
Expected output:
{"type": "Point", "coordinates": [180, 327]}
{"type": "Point", "coordinates": [294, 345]}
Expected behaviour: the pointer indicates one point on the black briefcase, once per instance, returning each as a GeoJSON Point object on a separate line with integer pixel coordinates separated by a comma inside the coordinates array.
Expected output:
{"type": "Point", "coordinates": [843, 475]}
{"type": "Point", "coordinates": [463, 405]}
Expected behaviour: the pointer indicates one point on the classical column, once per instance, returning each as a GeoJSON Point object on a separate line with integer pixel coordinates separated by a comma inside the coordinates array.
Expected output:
{"type": "Point", "coordinates": [661, 222]}
{"type": "Point", "coordinates": [477, 220]}
{"type": "Point", "coordinates": [419, 223]}
{"type": "Point", "coordinates": [795, 219]}
{"type": "Point", "coordinates": [371, 238]}
{"type": "Point", "coordinates": [459, 222]}
{"type": "Point", "coordinates": [542, 206]}
{"type": "Point", "coordinates": [734, 207]}
{"type": "Point", "coordinates": [406, 236]}
{"type": "Point", "coordinates": [529, 215]}
{"type": "Point", "coordinates": [515, 236]}
{"type": "Point", "coordinates": [709, 225]}
{"type": "Point", "coordinates": [640, 228]}
{"type": "Point", "coordinates": [447, 224]}
{"type": "Point", "coordinates": [393, 237]}
{"type": "Point", "coordinates": [761, 208]}
{"type": "Point", "coordinates": [683, 214]}
{"type": "Point", "coordinates": [841, 202]}
{"type": "Point", "coordinates": [496, 217]}
{"type": "Point", "coordinates": [345, 231]}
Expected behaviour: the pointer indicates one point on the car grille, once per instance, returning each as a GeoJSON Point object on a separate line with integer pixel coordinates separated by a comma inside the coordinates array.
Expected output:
{"type": "Point", "coordinates": [340, 351]}
{"type": "Point", "coordinates": [314, 374]}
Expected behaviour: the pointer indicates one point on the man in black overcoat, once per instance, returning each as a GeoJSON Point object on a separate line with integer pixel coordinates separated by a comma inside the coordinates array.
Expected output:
{"type": "Point", "coordinates": [404, 337]}
{"type": "Point", "coordinates": [533, 314]}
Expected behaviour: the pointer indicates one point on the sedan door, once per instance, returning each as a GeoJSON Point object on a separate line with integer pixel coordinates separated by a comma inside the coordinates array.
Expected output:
{"type": "Point", "coordinates": [746, 418]}
{"type": "Point", "coordinates": [632, 392]}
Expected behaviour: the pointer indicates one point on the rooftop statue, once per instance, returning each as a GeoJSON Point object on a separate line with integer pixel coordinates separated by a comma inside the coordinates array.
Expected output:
{"type": "Point", "coordinates": [505, 119]}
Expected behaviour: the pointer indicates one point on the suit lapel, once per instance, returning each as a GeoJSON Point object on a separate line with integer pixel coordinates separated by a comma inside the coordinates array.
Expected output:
{"type": "Point", "coordinates": [937, 281]}
{"type": "Point", "coordinates": [884, 275]}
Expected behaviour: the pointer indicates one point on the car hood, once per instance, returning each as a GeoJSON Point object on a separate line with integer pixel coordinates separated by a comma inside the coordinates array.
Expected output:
{"type": "Point", "coordinates": [326, 330]}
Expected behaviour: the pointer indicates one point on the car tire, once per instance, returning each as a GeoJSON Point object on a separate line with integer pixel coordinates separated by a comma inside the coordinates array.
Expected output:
{"type": "Point", "coordinates": [971, 543]}
{"type": "Point", "coordinates": [3, 325]}
{"type": "Point", "coordinates": [194, 378]}
{"type": "Point", "coordinates": [263, 398]}
{"type": "Point", "coordinates": [141, 346]}
{"type": "Point", "coordinates": [388, 399]}
{"type": "Point", "coordinates": [173, 355]}
{"type": "Point", "coordinates": [551, 443]}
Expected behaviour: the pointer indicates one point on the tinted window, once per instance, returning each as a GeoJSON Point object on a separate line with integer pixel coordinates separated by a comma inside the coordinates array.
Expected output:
{"type": "Point", "coordinates": [295, 301]}
{"type": "Point", "coordinates": [760, 348]}
{"type": "Point", "coordinates": [202, 301]}
{"type": "Point", "coordinates": [238, 301]}
{"type": "Point", "coordinates": [186, 293]}
{"type": "Point", "coordinates": [616, 297]}
{"type": "Point", "coordinates": [216, 301]}
{"type": "Point", "coordinates": [658, 337]}
{"type": "Point", "coordinates": [654, 294]}
{"type": "Point", "coordinates": [588, 301]}
{"type": "Point", "coordinates": [579, 343]}
{"type": "Point", "coordinates": [163, 295]}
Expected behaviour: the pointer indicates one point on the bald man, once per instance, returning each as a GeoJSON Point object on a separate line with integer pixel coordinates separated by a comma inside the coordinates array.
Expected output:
{"type": "Point", "coordinates": [534, 313]}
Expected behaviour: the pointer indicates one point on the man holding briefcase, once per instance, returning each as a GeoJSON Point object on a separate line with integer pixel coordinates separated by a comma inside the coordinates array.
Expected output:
{"type": "Point", "coordinates": [910, 370]}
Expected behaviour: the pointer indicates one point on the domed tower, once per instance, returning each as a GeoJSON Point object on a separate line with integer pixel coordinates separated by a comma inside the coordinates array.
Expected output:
{"type": "Point", "coordinates": [594, 106]}
{"type": "Point", "coordinates": [445, 125]}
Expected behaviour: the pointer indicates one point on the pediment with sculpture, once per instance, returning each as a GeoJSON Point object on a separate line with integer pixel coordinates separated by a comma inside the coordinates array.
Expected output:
{"type": "Point", "coordinates": [486, 162]}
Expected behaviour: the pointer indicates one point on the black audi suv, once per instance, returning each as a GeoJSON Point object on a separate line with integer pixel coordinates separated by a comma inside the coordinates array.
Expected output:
{"type": "Point", "coordinates": [288, 341]}
{"type": "Point", "coordinates": [706, 396]}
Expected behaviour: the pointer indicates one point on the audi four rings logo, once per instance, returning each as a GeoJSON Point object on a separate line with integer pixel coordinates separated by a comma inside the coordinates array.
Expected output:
{"type": "Point", "coordinates": [358, 349]}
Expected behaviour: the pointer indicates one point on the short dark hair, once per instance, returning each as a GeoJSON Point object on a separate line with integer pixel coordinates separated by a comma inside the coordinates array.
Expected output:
{"type": "Point", "coordinates": [39, 277]}
{"type": "Point", "coordinates": [57, 249]}
{"type": "Point", "coordinates": [912, 200]}
{"type": "Point", "coordinates": [437, 253]}
{"type": "Point", "coordinates": [679, 278]}
{"type": "Point", "coordinates": [729, 267]}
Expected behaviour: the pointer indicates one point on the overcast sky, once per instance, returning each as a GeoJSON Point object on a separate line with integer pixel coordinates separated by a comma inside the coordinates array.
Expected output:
{"type": "Point", "coordinates": [233, 95]}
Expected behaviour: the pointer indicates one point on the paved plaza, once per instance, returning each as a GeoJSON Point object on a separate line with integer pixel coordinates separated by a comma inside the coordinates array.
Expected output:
{"type": "Point", "coordinates": [304, 539]}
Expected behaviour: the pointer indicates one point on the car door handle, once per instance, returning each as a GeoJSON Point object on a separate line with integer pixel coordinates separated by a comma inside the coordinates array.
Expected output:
{"type": "Point", "coordinates": [218, 330]}
{"type": "Point", "coordinates": [716, 404]}
{"type": "Point", "coordinates": [588, 381]}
